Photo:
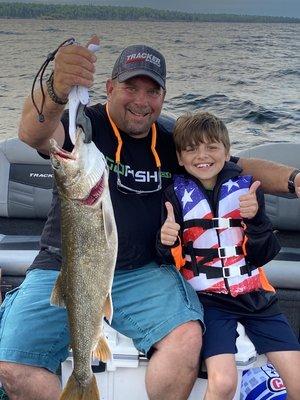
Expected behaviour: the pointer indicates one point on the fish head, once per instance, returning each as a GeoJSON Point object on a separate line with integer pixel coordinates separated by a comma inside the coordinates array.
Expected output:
{"type": "Point", "coordinates": [80, 175]}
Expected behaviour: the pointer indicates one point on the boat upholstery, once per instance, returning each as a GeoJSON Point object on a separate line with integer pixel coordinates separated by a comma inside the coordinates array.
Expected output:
{"type": "Point", "coordinates": [284, 212]}
{"type": "Point", "coordinates": [284, 271]}
{"type": "Point", "coordinates": [25, 179]}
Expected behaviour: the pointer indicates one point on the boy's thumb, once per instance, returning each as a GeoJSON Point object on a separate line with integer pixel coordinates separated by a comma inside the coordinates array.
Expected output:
{"type": "Point", "coordinates": [170, 211]}
{"type": "Point", "coordinates": [253, 188]}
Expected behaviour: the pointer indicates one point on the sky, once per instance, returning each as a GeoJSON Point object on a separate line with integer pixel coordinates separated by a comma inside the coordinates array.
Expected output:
{"type": "Point", "coordinates": [285, 8]}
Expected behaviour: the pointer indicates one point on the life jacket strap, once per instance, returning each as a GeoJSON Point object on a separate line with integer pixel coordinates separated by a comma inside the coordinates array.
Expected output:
{"type": "Point", "coordinates": [219, 252]}
{"type": "Point", "coordinates": [224, 272]}
{"type": "Point", "coordinates": [213, 223]}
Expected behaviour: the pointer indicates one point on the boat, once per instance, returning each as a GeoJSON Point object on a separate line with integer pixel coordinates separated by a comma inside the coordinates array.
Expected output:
{"type": "Point", "coordinates": [25, 197]}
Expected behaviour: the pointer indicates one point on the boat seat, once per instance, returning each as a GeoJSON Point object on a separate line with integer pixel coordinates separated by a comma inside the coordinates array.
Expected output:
{"type": "Point", "coordinates": [284, 270]}
{"type": "Point", "coordinates": [283, 212]}
{"type": "Point", "coordinates": [26, 191]}
{"type": "Point", "coordinates": [26, 181]}
{"type": "Point", "coordinates": [285, 216]}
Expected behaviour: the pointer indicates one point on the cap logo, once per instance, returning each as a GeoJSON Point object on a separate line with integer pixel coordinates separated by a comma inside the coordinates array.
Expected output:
{"type": "Point", "coordinates": [138, 57]}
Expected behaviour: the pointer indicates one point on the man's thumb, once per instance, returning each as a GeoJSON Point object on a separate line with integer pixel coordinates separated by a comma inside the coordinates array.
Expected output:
{"type": "Point", "coordinates": [170, 211]}
{"type": "Point", "coordinates": [253, 188]}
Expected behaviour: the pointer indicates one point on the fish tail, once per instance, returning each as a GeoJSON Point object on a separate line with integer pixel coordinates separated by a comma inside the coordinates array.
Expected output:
{"type": "Point", "coordinates": [74, 391]}
{"type": "Point", "coordinates": [102, 351]}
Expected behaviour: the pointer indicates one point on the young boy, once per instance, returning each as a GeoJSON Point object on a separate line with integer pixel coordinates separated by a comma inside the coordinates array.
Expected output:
{"type": "Point", "coordinates": [215, 229]}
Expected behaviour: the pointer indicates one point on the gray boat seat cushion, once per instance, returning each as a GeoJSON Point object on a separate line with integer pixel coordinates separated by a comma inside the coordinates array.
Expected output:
{"type": "Point", "coordinates": [26, 181]}
{"type": "Point", "coordinates": [283, 212]}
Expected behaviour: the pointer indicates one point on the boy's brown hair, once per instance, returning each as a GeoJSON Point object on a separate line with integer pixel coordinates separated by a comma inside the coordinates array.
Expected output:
{"type": "Point", "coordinates": [201, 127]}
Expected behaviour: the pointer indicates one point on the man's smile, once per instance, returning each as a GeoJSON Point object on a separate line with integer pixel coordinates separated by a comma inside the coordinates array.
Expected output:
{"type": "Point", "coordinates": [139, 113]}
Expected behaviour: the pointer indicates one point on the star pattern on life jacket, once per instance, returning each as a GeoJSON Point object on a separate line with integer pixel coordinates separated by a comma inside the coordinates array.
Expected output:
{"type": "Point", "coordinates": [187, 197]}
{"type": "Point", "coordinates": [234, 184]}
{"type": "Point", "coordinates": [230, 184]}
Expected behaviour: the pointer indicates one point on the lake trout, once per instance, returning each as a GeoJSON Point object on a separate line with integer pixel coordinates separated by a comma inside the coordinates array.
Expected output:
{"type": "Point", "coordinates": [89, 251]}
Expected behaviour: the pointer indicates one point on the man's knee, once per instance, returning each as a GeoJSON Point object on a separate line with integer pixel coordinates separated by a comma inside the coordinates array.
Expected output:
{"type": "Point", "coordinates": [185, 339]}
{"type": "Point", "coordinates": [14, 376]}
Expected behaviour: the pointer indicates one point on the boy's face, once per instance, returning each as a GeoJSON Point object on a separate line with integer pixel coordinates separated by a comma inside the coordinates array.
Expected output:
{"type": "Point", "coordinates": [204, 161]}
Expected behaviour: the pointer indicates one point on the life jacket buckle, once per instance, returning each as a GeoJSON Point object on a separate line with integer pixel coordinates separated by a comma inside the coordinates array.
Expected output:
{"type": "Point", "coordinates": [230, 272]}
{"type": "Point", "coordinates": [228, 251]}
{"type": "Point", "coordinates": [221, 223]}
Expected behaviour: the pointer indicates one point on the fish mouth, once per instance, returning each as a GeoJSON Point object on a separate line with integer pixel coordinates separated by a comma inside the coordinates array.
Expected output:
{"type": "Point", "coordinates": [94, 194]}
{"type": "Point", "coordinates": [88, 193]}
{"type": "Point", "coordinates": [61, 153]}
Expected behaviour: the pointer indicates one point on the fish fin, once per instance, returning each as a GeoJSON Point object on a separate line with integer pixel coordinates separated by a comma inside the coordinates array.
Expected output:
{"type": "Point", "coordinates": [102, 350]}
{"type": "Point", "coordinates": [57, 295]}
{"type": "Point", "coordinates": [108, 308]}
{"type": "Point", "coordinates": [108, 223]}
{"type": "Point", "coordinates": [74, 391]}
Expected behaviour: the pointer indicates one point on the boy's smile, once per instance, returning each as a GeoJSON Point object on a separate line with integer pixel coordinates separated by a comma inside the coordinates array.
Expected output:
{"type": "Point", "coordinates": [204, 161]}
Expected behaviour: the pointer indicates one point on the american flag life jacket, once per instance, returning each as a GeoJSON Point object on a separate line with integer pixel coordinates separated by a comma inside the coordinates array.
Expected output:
{"type": "Point", "coordinates": [226, 242]}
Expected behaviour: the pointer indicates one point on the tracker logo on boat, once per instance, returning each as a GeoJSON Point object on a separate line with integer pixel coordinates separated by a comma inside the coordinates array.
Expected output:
{"type": "Point", "coordinates": [146, 57]}
{"type": "Point", "coordinates": [39, 175]}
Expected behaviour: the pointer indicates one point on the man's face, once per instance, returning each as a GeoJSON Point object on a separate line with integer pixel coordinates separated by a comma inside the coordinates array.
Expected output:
{"type": "Point", "coordinates": [135, 104]}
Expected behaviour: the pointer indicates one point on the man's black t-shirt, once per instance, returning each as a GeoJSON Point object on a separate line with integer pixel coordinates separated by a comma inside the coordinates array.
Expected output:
{"type": "Point", "coordinates": [137, 216]}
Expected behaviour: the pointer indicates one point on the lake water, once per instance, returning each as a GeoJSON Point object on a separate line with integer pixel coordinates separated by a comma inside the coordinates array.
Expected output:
{"type": "Point", "coordinates": [248, 74]}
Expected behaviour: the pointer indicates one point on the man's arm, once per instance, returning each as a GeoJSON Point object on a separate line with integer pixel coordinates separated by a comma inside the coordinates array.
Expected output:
{"type": "Point", "coordinates": [37, 134]}
{"type": "Point", "coordinates": [73, 65]}
{"type": "Point", "coordinates": [273, 176]}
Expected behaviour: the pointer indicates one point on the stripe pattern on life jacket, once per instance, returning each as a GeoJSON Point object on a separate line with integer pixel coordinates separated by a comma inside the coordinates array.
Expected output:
{"type": "Point", "coordinates": [195, 206]}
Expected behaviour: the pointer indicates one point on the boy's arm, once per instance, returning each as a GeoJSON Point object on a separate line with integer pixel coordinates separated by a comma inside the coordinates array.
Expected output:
{"type": "Point", "coordinates": [274, 177]}
{"type": "Point", "coordinates": [261, 243]}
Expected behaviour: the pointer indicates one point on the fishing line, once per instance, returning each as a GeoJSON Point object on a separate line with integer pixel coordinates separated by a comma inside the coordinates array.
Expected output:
{"type": "Point", "coordinates": [50, 57]}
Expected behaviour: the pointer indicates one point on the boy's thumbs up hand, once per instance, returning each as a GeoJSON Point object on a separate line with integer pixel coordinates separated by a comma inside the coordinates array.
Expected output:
{"type": "Point", "coordinates": [248, 202]}
{"type": "Point", "coordinates": [169, 230]}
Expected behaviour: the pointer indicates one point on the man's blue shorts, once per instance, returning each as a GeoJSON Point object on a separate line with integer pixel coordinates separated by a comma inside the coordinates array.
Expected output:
{"type": "Point", "coordinates": [149, 302]}
{"type": "Point", "coordinates": [267, 333]}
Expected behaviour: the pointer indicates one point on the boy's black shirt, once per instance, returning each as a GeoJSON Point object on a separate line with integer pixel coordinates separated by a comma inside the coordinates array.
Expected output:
{"type": "Point", "coordinates": [262, 246]}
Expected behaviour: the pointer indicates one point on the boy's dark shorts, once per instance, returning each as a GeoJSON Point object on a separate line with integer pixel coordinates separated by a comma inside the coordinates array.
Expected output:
{"type": "Point", "coordinates": [267, 333]}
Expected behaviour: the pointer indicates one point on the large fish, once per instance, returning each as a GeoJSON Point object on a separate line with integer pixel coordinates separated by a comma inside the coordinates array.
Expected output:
{"type": "Point", "coordinates": [89, 250]}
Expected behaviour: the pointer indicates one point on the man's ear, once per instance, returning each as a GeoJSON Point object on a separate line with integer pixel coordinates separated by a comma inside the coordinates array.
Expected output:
{"type": "Point", "coordinates": [109, 87]}
{"type": "Point", "coordinates": [179, 158]}
{"type": "Point", "coordinates": [228, 156]}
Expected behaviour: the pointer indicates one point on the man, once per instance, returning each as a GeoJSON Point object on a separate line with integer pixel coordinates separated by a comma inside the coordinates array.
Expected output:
{"type": "Point", "coordinates": [152, 305]}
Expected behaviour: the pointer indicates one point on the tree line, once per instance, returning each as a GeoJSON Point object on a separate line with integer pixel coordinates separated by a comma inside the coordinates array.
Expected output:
{"type": "Point", "coordinates": [92, 12]}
